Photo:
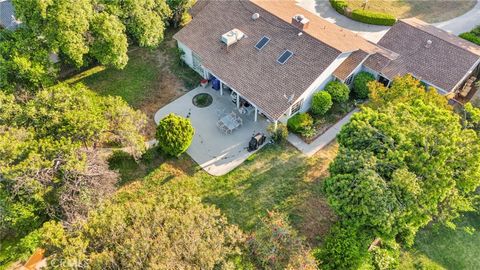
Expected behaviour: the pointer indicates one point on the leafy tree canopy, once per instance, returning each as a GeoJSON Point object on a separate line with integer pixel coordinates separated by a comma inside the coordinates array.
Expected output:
{"type": "Point", "coordinates": [276, 245]}
{"type": "Point", "coordinates": [162, 231]}
{"type": "Point", "coordinates": [144, 19]}
{"type": "Point", "coordinates": [404, 164]}
{"type": "Point", "coordinates": [76, 30]}
{"type": "Point", "coordinates": [49, 147]}
{"type": "Point", "coordinates": [174, 134]}
{"type": "Point", "coordinates": [24, 61]}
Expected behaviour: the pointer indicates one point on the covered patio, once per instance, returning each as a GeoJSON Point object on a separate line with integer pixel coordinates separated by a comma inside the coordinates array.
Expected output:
{"type": "Point", "coordinates": [215, 150]}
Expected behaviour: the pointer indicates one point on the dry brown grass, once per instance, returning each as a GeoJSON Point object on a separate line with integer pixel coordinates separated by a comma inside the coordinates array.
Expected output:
{"type": "Point", "coordinates": [428, 10]}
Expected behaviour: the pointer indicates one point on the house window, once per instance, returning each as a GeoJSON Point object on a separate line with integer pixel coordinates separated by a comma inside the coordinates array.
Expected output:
{"type": "Point", "coordinates": [196, 63]}
{"type": "Point", "coordinates": [296, 107]}
{"type": "Point", "coordinates": [349, 80]}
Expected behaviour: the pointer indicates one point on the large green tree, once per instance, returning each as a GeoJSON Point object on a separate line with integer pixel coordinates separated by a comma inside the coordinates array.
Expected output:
{"type": "Point", "coordinates": [50, 162]}
{"type": "Point", "coordinates": [24, 61]}
{"type": "Point", "coordinates": [76, 30]}
{"type": "Point", "coordinates": [144, 19]}
{"type": "Point", "coordinates": [165, 230]}
{"type": "Point", "coordinates": [404, 163]}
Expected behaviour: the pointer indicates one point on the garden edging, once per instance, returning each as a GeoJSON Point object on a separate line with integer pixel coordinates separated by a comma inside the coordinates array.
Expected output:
{"type": "Point", "coordinates": [323, 140]}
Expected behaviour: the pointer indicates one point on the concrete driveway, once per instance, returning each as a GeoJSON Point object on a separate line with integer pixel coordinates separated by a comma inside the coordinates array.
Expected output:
{"type": "Point", "coordinates": [214, 151]}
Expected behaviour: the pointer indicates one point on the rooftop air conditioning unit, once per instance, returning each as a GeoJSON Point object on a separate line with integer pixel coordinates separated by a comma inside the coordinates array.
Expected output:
{"type": "Point", "coordinates": [232, 37]}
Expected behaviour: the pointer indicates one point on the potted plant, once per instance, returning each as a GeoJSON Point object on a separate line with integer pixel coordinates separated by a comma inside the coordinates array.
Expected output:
{"type": "Point", "coordinates": [204, 83]}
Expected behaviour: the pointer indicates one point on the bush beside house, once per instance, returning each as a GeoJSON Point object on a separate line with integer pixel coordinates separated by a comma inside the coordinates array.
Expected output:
{"type": "Point", "coordinates": [279, 134]}
{"type": "Point", "coordinates": [360, 84]}
{"type": "Point", "coordinates": [300, 122]}
{"type": "Point", "coordinates": [321, 103]}
{"type": "Point", "coordinates": [174, 134]}
{"type": "Point", "coordinates": [338, 90]}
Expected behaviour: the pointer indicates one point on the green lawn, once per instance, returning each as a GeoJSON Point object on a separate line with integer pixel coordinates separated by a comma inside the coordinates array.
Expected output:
{"type": "Point", "coordinates": [428, 10]}
{"type": "Point", "coordinates": [151, 79]}
{"type": "Point", "coordinates": [278, 178]}
{"type": "Point", "coordinates": [452, 249]}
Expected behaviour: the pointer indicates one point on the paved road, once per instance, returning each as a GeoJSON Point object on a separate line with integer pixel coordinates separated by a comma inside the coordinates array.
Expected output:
{"type": "Point", "coordinates": [374, 33]}
{"type": "Point", "coordinates": [463, 23]}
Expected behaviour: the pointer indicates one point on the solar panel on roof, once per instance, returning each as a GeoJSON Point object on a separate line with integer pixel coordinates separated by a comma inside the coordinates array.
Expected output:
{"type": "Point", "coordinates": [262, 42]}
{"type": "Point", "coordinates": [284, 57]}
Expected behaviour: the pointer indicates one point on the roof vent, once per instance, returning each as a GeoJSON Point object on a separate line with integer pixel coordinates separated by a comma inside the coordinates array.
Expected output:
{"type": "Point", "coordinates": [255, 16]}
{"type": "Point", "coordinates": [300, 21]}
{"type": "Point", "coordinates": [429, 43]}
{"type": "Point", "coordinates": [232, 37]}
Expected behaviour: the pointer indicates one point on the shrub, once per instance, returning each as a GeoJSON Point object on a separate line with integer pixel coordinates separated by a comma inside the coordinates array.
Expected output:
{"type": "Point", "coordinates": [344, 248]}
{"type": "Point", "coordinates": [360, 84]}
{"type": "Point", "coordinates": [299, 122]}
{"type": "Point", "coordinates": [371, 17]}
{"type": "Point", "coordinates": [470, 36]}
{"type": "Point", "coordinates": [276, 245]}
{"type": "Point", "coordinates": [385, 258]}
{"type": "Point", "coordinates": [321, 102]}
{"type": "Point", "coordinates": [279, 134]}
{"type": "Point", "coordinates": [339, 6]}
{"type": "Point", "coordinates": [338, 90]}
{"type": "Point", "coordinates": [174, 134]}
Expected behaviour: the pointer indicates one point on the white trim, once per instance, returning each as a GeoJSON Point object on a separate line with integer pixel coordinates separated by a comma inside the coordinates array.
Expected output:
{"type": "Point", "coordinates": [290, 56]}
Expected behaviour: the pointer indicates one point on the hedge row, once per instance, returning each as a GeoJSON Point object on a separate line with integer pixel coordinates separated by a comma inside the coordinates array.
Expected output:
{"type": "Point", "coordinates": [472, 37]}
{"type": "Point", "coordinates": [361, 15]}
{"type": "Point", "coordinates": [370, 17]}
{"type": "Point", "coordinates": [339, 5]}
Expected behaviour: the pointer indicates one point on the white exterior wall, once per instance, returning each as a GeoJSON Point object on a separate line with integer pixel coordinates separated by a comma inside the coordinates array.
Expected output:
{"type": "Point", "coordinates": [318, 84]}
{"type": "Point", "coordinates": [187, 54]}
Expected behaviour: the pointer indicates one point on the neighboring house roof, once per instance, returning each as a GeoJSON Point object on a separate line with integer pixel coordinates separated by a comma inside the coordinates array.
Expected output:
{"type": "Point", "coordinates": [348, 66]}
{"type": "Point", "coordinates": [7, 15]}
{"type": "Point", "coordinates": [256, 74]}
{"type": "Point", "coordinates": [428, 53]}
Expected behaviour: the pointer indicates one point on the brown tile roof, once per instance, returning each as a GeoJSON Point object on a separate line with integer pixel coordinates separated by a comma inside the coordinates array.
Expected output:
{"type": "Point", "coordinates": [198, 7]}
{"type": "Point", "coordinates": [329, 33]}
{"type": "Point", "coordinates": [443, 63]}
{"type": "Point", "coordinates": [446, 36]}
{"type": "Point", "coordinates": [255, 74]}
{"type": "Point", "coordinates": [377, 62]}
{"type": "Point", "coordinates": [348, 66]}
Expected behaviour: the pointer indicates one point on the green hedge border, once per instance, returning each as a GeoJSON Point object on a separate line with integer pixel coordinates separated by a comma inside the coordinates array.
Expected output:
{"type": "Point", "coordinates": [364, 16]}
{"type": "Point", "coordinates": [472, 36]}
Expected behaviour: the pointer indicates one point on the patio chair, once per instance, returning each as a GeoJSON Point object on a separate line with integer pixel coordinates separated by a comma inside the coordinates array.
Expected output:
{"type": "Point", "coordinates": [220, 113]}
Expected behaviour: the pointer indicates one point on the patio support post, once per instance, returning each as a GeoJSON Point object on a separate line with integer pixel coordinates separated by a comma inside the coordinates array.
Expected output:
{"type": "Point", "coordinates": [256, 114]}
{"type": "Point", "coordinates": [238, 101]}
{"type": "Point", "coordinates": [221, 88]}
{"type": "Point", "coordinates": [275, 125]}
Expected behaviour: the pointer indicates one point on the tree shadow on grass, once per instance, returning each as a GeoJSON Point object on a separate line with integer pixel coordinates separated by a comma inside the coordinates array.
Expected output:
{"type": "Point", "coordinates": [278, 179]}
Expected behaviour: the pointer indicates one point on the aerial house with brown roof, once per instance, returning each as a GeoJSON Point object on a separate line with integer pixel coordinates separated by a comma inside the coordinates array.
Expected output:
{"type": "Point", "coordinates": [275, 55]}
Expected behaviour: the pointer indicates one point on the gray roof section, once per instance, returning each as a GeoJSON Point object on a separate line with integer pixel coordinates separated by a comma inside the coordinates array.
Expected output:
{"type": "Point", "coordinates": [7, 15]}
{"type": "Point", "coordinates": [436, 57]}
{"type": "Point", "coordinates": [255, 74]}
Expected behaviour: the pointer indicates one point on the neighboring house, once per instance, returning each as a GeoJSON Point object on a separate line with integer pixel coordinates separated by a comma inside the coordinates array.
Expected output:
{"type": "Point", "coordinates": [275, 55]}
{"type": "Point", "coordinates": [7, 15]}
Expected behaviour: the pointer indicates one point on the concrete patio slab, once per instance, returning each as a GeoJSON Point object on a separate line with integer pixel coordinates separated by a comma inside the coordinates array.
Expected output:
{"type": "Point", "coordinates": [214, 151]}
{"type": "Point", "coordinates": [322, 141]}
